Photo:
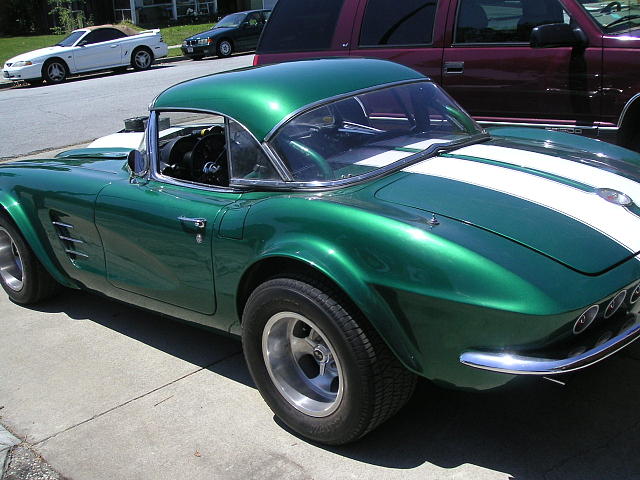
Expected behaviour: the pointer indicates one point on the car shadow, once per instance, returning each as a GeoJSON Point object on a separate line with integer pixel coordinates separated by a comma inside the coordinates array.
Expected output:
{"type": "Point", "coordinates": [88, 76]}
{"type": "Point", "coordinates": [587, 429]}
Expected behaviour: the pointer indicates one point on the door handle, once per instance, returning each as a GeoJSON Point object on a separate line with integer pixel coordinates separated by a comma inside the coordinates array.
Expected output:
{"type": "Point", "coordinates": [199, 223]}
{"type": "Point", "coordinates": [453, 68]}
{"type": "Point", "coordinates": [115, 46]}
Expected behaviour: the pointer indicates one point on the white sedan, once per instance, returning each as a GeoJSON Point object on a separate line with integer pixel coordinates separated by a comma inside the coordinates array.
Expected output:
{"type": "Point", "coordinates": [88, 49]}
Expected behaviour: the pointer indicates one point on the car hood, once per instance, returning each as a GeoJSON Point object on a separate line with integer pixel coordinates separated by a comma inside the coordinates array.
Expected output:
{"type": "Point", "coordinates": [210, 33]}
{"type": "Point", "coordinates": [547, 202]}
{"type": "Point", "coordinates": [41, 52]}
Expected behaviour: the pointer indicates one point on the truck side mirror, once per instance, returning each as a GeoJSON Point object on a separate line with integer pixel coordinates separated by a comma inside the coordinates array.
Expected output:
{"type": "Point", "coordinates": [558, 35]}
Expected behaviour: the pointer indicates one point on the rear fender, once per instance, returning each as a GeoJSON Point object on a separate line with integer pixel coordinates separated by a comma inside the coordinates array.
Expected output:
{"type": "Point", "coordinates": [15, 211]}
{"type": "Point", "coordinates": [330, 262]}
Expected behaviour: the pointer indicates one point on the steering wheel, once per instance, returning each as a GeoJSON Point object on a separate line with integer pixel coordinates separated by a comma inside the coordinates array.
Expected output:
{"type": "Point", "coordinates": [609, 7]}
{"type": "Point", "coordinates": [318, 160]}
{"type": "Point", "coordinates": [207, 160]}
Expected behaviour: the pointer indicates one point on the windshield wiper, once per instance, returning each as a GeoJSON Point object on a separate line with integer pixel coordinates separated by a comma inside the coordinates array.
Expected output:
{"type": "Point", "coordinates": [620, 20]}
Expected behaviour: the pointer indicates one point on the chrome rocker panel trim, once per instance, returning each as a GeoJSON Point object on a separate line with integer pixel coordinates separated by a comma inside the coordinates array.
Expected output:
{"type": "Point", "coordinates": [504, 362]}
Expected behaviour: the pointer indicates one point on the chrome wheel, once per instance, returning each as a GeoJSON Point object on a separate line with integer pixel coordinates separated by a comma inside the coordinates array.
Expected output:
{"type": "Point", "coordinates": [11, 270]}
{"type": "Point", "coordinates": [142, 59]}
{"type": "Point", "coordinates": [225, 48]}
{"type": "Point", "coordinates": [302, 364]}
{"type": "Point", "coordinates": [56, 72]}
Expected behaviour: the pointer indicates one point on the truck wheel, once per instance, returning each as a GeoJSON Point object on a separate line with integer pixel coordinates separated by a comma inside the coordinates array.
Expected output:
{"type": "Point", "coordinates": [54, 71]}
{"type": "Point", "coordinates": [324, 371]}
{"type": "Point", "coordinates": [22, 275]}
{"type": "Point", "coordinates": [141, 59]}
{"type": "Point", "coordinates": [224, 48]}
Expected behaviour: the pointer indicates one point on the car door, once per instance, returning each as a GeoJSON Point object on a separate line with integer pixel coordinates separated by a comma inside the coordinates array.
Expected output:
{"type": "Point", "coordinates": [158, 241]}
{"type": "Point", "coordinates": [249, 32]}
{"type": "Point", "coordinates": [490, 68]}
{"type": "Point", "coordinates": [408, 32]}
{"type": "Point", "coordinates": [99, 49]}
{"type": "Point", "coordinates": [158, 234]}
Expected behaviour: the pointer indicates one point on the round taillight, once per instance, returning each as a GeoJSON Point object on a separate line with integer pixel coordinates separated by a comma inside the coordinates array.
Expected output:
{"type": "Point", "coordinates": [614, 304]}
{"type": "Point", "coordinates": [584, 320]}
{"type": "Point", "coordinates": [635, 295]}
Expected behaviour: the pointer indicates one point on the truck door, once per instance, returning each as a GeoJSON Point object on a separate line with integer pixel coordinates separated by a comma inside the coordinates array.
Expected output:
{"type": "Point", "coordinates": [409, 32]}
{"type": "Point", "coordinates": [490, 68]}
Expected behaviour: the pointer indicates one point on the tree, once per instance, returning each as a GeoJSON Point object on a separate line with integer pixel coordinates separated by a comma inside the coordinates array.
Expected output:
{"type": "Point", "coordinates": [65, 17]}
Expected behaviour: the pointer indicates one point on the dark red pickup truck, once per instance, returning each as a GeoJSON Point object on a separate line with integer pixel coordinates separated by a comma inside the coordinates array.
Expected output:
{"type": "Point", "coordinates": [568, 65]}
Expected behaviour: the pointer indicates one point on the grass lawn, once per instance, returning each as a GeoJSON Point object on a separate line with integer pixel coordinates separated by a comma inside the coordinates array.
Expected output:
{"type": "Point", "coordinates": [12, 46]}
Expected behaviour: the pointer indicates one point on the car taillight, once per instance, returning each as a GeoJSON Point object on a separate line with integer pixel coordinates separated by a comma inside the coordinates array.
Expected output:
{"type": "Point", "coordinates": [255, 60]}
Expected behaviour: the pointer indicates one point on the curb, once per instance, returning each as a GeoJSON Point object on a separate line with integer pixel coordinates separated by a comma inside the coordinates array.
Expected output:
{"type": "Point", "coordinates": [170, 60]}
{"type": "Point", "coordinates": [160, 61]}
{"type": "Point", "coordinates": [7, 442]}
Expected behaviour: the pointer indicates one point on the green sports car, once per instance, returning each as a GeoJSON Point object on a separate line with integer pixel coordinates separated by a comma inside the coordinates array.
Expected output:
{"type": "Point", "coordinates": [353, 225]}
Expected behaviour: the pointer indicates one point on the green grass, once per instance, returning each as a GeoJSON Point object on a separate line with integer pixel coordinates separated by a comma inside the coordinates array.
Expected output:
{"type": "Point", "coordinates": [12, 46]}
{"type": "Point", "coordinates": [175, 35]}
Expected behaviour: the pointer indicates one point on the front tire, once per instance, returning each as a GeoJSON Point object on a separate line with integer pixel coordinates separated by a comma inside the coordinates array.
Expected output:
{"type": "Point", "coordinates": [224, 48]}
{"type": "Point", "coordinates": [54, 71]}
{"type": "Point", "coordinates": [141, 59]}
{"type": "Point", "coordinates": [22, 276]}
{"type": "Point", "coordinates": [322, 369]}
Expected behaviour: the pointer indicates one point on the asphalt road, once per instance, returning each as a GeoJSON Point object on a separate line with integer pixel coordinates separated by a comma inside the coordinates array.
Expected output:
{"type": "Point", "coordinates": [39, 118]}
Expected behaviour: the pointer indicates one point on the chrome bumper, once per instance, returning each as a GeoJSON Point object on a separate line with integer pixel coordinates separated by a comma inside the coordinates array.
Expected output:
{"type": "Point", "coordinates": [504, 362]}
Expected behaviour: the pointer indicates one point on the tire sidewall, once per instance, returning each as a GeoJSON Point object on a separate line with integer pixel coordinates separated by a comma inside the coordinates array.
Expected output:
{"type": "Point", "coordinates": [133, 59]}
{"type": "Point", "coordinates": [45, 72]}
{"type": "Point", "coordinates": [220, 52]}
{"type": "Point", "coordinates": [346, 422]}
{"type": "Point", "coordinates": [28, 290]}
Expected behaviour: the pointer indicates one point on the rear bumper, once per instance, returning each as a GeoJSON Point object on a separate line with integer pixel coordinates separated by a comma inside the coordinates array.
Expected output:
{"type": "Point", "coordinates": [515, 364]}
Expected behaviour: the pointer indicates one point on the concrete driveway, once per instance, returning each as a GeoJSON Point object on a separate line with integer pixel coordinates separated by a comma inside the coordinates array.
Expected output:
{"type": "Point", "coordinates": [105, 391]}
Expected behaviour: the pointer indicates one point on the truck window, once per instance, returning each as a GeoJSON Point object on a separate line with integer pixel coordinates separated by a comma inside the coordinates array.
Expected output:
{"type": "Point", "coordinates": [299, 26]}
{"type": "Point", "coordinates": [506, 21]}
{"type": "Point", "coordinates": [389, 22]}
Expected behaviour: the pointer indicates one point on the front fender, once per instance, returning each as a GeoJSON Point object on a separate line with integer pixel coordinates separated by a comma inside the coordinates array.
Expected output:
{"type": "Point", "coordinates": [16, 212]}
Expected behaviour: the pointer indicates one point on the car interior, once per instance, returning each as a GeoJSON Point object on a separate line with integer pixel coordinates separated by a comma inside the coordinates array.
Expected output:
{"type": "Point", "coordinates": [209, 151]}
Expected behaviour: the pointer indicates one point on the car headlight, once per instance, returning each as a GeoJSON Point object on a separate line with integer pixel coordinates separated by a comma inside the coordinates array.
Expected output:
{"type": "Point", "coordinates": [22, 63]}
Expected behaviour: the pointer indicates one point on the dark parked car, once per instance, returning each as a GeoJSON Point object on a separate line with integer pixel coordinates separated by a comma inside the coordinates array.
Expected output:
{"type": "Point", "coordinates": [567, 65]}
{"type": "Point", "coordinates": [238, 32]}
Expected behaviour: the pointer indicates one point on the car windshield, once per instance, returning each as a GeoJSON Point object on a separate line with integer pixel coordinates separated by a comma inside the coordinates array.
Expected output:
{"type": "Point", "coordinates": [231, 20]}
{"type": "Point", "coordinates": [71, 39]}
{"type": "Point", "coordinates": [356, 135]}
{"type": "Point", "coordinates": [614, 17]}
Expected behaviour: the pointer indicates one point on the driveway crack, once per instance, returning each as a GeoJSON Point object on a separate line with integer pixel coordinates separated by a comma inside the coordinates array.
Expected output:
{"type": "Point", "coordinates": [137, 398]}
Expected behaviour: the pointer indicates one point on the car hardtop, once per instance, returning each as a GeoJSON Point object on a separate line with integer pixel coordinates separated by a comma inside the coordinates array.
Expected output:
{"type": "Point", "coordinates": [261, 98]}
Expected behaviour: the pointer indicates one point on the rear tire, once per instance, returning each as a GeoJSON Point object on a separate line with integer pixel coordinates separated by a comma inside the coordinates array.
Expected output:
{"type": "Point", "coordinates": [141, 59]}
{"type": "Point", "coordinates": [22, 275]}
{"type": "Point", "coordinates": [291, 328]}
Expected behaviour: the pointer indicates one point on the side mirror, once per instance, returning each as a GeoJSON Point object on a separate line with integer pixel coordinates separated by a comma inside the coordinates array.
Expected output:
{"type": "Point", "coordinates": [82, 43]}
{"type": "Point", "coordinates": [558, 35]}
{"type": "Point", "coordinates": [137, 163]}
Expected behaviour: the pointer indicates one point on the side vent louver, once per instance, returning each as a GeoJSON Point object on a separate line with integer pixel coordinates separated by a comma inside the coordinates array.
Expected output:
{"type": "Point", "coordinates": [72, 245]}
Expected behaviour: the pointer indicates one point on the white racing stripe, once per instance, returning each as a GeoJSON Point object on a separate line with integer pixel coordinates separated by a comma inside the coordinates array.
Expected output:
{"type": "Point", "coordinates": [387, 158]}
{"type": "Point", "coordinates": [612, 220]}
{"type": "Point", "coordinates": [568, 169]}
